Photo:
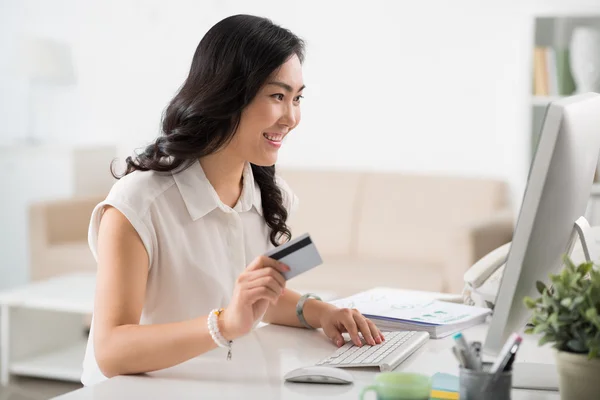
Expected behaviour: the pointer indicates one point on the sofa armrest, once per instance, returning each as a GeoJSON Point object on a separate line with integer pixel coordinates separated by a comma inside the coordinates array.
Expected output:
{"type": "Point", "coordinates": [58, 236]}
{"type": "Point", "coordinates": [470, 243]}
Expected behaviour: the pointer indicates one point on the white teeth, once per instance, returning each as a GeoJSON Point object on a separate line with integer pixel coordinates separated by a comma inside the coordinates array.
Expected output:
{"type": "Point", "coordinates": [276, 138]}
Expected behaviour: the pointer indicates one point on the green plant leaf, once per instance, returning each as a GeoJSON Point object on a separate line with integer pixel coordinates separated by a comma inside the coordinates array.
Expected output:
{"type": "Point", "coordinates": [568, 263]}
{"type": "Point", "coordinates": [529, 331]}
{"type": "Point", "coordinates": [540, 328]}
{"type": "Point", "coordinates": [578, 300]}
{"type": "Point", "coordinates": [585, 268]}
{"type": "Point", "coordinates": [549, 301]}
{"type": "Point", "coordinates": [592, 315]}
{"type": "Point", "coordinates": [553, 320]}
{"type": "Point", "coordinates": [546, 339]}
{"type": "Point", "coordinates": [529, 302]}
{"type": "Point", "coordinates": [568, 312]}
{"type": "Point", "coordinates": [565, 277]}
{"type": "Point", "coordinates": [574, 280]}
{"type": "Point", "coordinates": [576, 346]}
{"type": "Point", "coordinates": [567, 302]}
{"type": "Point", "coordinates": [540, 286]}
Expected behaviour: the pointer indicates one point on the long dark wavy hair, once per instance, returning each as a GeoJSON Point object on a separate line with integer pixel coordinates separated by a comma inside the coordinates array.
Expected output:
{"type": "Point", "coordinates": [231, 63]}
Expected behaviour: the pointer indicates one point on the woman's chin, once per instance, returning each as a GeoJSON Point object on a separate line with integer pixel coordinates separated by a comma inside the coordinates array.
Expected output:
{"type": "Point", "coordinates": [265, 161]}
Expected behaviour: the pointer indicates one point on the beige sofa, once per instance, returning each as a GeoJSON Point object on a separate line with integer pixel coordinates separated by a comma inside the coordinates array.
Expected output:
{"type": "Point", "coordinates": [403, 230]}
{"type": "Point", "coordinates": [392, 229]}
{"type": "Point", "coordinates": [58, 237]}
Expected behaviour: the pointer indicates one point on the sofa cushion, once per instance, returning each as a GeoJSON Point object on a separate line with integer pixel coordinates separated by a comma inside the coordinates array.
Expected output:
{"type": "Point", "coordinates": [62, 259]}
{"type": "Point", "coordinates": [327, 207]}
{"type": "Point", "coordinates": [409, 217]}
{"type": "Point", "coordinates": [344, 277]}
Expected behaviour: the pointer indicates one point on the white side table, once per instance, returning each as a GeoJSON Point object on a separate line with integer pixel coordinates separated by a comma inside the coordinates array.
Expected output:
{"type": "Point", "coordinates": [42, 331]}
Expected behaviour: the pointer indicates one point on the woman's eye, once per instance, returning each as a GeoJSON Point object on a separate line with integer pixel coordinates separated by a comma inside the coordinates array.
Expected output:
{"type": "Point", "coordinates": [280, 97]}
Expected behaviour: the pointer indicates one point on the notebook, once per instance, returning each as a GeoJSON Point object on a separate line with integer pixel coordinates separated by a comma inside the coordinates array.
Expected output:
{"type": "Point", "coordinates": [396, 309]}
{"type": "Point", "coordinates": [444, 387]}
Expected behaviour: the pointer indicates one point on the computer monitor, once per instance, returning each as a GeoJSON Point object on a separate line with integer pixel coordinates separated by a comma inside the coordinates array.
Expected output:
{"type": "Point", "coordinates": [557, 193]}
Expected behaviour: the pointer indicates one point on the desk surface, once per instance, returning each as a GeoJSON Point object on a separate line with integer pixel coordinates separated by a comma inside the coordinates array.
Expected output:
{"type": "Point", "coordinates": [262, 358]}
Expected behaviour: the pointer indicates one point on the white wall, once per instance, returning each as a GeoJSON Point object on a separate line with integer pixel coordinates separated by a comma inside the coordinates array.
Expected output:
{"type": "Point", "coordinates": [428, 86]}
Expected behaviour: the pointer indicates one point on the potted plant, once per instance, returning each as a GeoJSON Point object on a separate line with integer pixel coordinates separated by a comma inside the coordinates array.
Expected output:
{"type": "Point", "coordinates": [568, 315]}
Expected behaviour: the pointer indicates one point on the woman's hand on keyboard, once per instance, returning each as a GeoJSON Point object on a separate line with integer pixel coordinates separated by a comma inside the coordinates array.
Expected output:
{"type": "Point", "coordinates": [336, 321]}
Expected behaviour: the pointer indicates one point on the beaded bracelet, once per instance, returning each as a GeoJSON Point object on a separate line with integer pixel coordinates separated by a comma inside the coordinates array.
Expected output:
{"type": "Point", "coordinates": [300, 308]}
{"type": "Point", "coordinates": [213, 329]}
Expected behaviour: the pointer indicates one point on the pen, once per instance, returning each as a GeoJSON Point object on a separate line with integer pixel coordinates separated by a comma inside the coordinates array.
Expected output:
{"type": "Point", "coordinates": [476, 349]}
{"type": "Point", "coordinates": [509, 363]}
{"type": "Point", "coordinates": [459, 356]}
{"type": "Point", "coordinates": [462, 345]}
{"type": "Point", "coordinates": [508, 351]}
{"type": "Point", "coordinates": [476, 346]}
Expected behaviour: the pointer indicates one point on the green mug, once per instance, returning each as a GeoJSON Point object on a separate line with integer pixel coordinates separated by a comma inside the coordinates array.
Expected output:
{"type": "Point", "coordinates": [400, 386]}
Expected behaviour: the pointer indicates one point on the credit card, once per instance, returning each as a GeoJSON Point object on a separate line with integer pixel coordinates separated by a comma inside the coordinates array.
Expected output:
{"type": "Point", "coordinates": [300, 254]}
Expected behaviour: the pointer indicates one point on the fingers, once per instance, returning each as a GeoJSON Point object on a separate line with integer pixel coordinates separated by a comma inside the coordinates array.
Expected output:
{"type": "Point", "coordinates": [334, 334]}
{"type": "Point", "coordinates": [351, 327]}
{"type": "Point", "coordinates": [365, 329]}
{"type": "Point", "coordinates": [375, 332]}
{"type": "Point", "coordinates": [262, 280]}
{"type": "Point", "coordinates": [266, 281]}
{"type": "Point", "coordinates": [264, 261]}
{"type": "Point", "coordinates": [354, 323]}
{"type": "Point", "coordinates": [262, 293]}
{"type": "Point", "coordinates": [266, 272]}
{"type": "Point", "coordinates": [266, 277]}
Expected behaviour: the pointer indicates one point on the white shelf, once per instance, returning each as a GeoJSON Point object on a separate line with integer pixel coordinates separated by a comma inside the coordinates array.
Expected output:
{"type": "Point", "coordinates": [63, 364]}
{"type": "Point", "coordinates": [544, 100]}
{"type": "Point", "coordinates": [67, 293]}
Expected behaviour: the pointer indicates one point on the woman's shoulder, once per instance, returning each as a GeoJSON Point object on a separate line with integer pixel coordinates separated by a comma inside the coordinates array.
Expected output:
{"type": "Point", "coordinates": [140, 189]}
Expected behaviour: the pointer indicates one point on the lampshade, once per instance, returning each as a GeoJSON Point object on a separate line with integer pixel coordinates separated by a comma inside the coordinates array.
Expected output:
{"type": "Point", "coordinates": [47, 60]}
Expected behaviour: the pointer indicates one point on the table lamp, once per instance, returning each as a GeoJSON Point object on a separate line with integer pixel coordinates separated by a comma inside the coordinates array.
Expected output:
{"type": "Point", "coordinates": [44, 62]}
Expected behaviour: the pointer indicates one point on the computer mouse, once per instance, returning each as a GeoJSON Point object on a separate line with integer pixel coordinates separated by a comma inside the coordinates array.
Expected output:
{"type": "Point", "coordinates": [318, 374]}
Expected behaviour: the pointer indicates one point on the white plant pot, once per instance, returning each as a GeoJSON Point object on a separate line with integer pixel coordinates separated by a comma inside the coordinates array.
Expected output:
{"type": "Point", "coordinates": [579, 378]}
{"type": "Point", "coordinates": [585, 59]}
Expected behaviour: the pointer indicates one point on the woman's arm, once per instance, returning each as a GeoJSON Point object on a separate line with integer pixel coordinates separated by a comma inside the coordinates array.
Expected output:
{"type": "Point", "coordinates": [319, 314]}
{"type": "Point", "coordinates": [121, 345]}
{"type": "Point", "coordinates": [284, 312]}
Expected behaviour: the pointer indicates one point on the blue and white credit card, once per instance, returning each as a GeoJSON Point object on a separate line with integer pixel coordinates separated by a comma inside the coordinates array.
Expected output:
{"type": "Point", "coordinates": [300, 254]}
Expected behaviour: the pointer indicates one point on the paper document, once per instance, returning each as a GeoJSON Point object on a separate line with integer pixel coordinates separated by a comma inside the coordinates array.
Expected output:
{"type": "Point", "coordinates": [410, 307]}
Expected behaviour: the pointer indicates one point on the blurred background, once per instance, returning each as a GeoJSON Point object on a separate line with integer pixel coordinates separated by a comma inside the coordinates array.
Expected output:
{"type": "Point", "coordinates": [430, 102]}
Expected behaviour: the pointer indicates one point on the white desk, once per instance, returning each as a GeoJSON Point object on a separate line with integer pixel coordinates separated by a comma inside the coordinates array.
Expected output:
{"type": "Point", "coordinates": [261, 359]}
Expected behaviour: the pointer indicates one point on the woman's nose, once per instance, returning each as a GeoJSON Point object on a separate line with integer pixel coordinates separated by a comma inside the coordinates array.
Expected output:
{"type": "Point", "coordinates": [289, 117]}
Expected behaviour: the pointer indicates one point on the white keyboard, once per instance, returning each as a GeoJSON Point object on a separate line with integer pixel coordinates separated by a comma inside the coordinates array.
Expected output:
{"type": "Point", "coordinates": [396, 347]}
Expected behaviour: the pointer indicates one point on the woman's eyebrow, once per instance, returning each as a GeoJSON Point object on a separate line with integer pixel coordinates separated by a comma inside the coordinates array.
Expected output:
{"type": "Point", "coordinates": [285, 86]}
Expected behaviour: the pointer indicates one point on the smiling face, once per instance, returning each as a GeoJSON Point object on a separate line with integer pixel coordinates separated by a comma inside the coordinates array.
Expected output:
{"type": "Point", "coordinates": [271, 115]}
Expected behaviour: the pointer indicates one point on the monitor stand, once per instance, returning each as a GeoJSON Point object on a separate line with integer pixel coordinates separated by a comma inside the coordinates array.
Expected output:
{"type": "Point", "coordinates": [544, 376]}
{"type": "Point", "coordinates": [584, 231]}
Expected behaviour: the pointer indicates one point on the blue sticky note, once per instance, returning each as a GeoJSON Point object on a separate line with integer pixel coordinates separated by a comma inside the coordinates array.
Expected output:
{"type": "Point", "coordinates": [445, 382]}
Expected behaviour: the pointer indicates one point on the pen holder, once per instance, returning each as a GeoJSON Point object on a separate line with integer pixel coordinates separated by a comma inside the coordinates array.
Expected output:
{"type": "Point", "coordinates": [476, 385]}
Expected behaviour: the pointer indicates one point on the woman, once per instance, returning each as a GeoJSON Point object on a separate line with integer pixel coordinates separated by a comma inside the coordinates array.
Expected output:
{"type": "Point", "coordinates": [183, 231]}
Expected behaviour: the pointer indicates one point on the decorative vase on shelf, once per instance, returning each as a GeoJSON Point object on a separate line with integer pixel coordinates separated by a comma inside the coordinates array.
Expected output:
{"type": "Point", "coordinates": [585, 59]}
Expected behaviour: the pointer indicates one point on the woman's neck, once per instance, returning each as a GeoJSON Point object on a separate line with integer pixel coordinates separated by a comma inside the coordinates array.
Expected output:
{"type": "Point", "coordinates": [225, 175]}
